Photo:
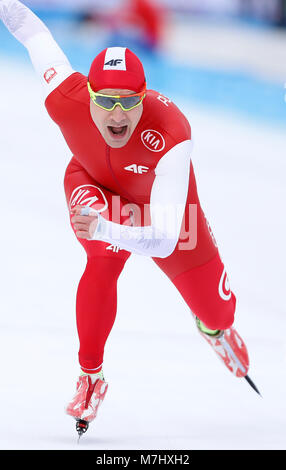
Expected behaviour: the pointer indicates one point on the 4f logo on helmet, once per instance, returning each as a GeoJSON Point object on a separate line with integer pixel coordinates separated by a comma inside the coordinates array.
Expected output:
{"type": "Point", "coordinates": [115, 58]}
{"type": "Point", "coordinates": [114, 62]}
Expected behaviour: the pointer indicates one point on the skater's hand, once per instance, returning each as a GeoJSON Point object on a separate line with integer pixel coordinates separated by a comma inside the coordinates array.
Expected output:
{"type": "Point", "coordinates": [84, 225]}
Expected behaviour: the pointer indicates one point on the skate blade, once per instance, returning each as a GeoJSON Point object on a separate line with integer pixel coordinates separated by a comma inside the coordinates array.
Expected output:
{"type": "Point", "coordinates": [252, 384]}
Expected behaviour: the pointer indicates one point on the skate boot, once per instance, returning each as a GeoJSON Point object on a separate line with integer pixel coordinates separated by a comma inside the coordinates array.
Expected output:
{"type": "Point", "coordinates": [86, 401]}
{"type": "Point", "coordinates": [229, 346]}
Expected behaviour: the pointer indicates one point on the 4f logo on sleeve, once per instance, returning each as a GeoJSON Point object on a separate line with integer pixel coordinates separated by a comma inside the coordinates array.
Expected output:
{"type": "Point", "coordinates": [115, 58]}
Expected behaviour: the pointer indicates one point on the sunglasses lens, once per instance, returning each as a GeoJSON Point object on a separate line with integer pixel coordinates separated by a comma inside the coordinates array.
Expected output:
{"type": "Point", "coordinates": [108, 102]}
{"type": "Point", "coordinates": [105, 101]}
{"type": "Point", "coordinates": [130, 102]}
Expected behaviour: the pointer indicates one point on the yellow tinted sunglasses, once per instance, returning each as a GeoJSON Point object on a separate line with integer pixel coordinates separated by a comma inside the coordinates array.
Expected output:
{"type": "Point", "coordinates": [108, 102]}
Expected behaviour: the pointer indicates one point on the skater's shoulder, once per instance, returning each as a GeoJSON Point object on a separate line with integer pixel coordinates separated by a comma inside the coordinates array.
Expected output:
{"type": "Point", "coordinates": [70, 94]}
{"type": "Point", "coordinates": [73, 88]}
{"type": "Point", "coordinates": [161, 113]}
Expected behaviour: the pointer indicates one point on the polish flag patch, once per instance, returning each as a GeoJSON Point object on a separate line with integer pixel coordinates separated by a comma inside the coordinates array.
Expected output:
{"type": "Point", "coordinates": [50, 74]}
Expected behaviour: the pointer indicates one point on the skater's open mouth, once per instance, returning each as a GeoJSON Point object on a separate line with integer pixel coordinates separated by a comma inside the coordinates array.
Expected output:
{"type": "Point", "coordinates": [117, 132]}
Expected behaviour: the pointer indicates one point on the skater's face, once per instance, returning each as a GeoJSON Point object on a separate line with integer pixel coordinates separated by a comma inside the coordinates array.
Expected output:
{"type": "Point", "coordinates": [116, 126]}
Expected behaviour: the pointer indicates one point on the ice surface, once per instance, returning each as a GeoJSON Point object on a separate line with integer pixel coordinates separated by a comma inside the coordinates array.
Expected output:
{"type": "Point", "coordinates": [167, 390]}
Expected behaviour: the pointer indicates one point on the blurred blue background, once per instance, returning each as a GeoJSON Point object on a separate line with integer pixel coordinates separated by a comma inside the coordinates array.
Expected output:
{"type": "Point", "coordinates": [227, 55]}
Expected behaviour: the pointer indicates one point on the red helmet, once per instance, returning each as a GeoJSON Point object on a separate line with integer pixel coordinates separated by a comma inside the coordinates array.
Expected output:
{"type": "Point", "coordinates": [118, 68]}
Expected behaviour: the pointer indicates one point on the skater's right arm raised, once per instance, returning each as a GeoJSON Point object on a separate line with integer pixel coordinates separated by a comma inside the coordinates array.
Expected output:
{"type": "Point", "coordinates": [48, 59]}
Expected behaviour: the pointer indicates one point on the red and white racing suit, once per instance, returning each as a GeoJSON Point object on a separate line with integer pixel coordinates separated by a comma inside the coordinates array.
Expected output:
{"type": "Point", "coordinates": [128, 186]}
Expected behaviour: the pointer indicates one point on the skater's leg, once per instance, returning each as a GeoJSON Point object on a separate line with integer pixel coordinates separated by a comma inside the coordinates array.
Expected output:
{"type": "Point", "coordinates": [96, 295]}
{"type": "Point", "coordinates": [97, 291]}
{"type": "Point", "coordinates": [207, 292]}
{"type": "Point", "coordinates": [96, 308]}
{"type": "Point", "coordinates": [198, 273]}
{"type": "Point", "coordinates": [96, 311]}
{"type": "Point", "coordinates": [196, 269]}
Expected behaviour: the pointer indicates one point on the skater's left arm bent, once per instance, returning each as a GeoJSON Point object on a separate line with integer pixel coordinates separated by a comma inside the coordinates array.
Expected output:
{"type": "Point", "coordinates": [167, 206]}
